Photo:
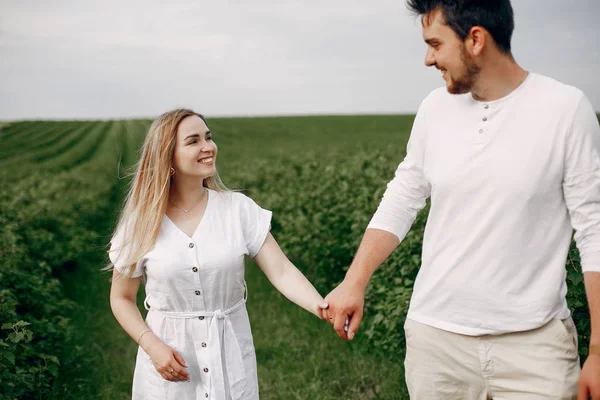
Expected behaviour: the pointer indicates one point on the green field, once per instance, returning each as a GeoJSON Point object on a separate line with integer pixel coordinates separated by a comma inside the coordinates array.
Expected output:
{"type": "Point", "coordinates": [322, 177]}
{"type": "Point", "coordinates": [64, 189]}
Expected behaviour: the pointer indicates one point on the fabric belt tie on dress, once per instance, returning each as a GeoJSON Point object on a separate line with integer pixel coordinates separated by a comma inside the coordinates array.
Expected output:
{"type": "Point", "coordinates": [223, 343]}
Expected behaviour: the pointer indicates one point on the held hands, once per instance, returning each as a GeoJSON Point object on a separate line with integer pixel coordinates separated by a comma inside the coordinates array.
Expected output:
{"type": "Point", "coordinates": [344, 308]}
{"type": "Point", "coordinates": [168, 362]}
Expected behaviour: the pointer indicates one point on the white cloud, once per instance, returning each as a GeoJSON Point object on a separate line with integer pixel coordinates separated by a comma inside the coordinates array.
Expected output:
{"type": "Point", "coordinates": [66, 59]}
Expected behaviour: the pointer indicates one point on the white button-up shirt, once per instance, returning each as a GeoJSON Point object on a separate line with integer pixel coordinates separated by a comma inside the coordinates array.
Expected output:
{"type": "Point", "coordinates": [509, 180]}
{"type": "Point", "coordinates": [195, 291]}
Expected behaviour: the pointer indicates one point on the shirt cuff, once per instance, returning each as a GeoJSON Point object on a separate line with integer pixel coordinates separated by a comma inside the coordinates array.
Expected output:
{"type": "Point", "coordinates": [590, 262]}
{"type": "Point", "coordinates": [399, 230]}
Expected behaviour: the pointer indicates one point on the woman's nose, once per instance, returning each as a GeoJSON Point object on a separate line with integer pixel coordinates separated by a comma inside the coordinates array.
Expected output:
{"type": "Point", "coordinates": [206, 147]}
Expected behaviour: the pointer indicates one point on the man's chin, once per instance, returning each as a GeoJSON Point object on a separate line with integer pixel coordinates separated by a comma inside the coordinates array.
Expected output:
{"type": "Point", "coordinates": [452, 88]}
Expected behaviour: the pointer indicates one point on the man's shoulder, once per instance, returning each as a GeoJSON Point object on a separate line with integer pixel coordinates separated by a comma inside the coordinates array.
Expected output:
{"type": "Point", "coordinates": [555, 92]}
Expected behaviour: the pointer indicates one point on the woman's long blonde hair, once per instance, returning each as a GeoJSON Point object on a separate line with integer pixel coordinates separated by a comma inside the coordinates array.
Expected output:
{"type": "Point", "coordinates": [146, 202]}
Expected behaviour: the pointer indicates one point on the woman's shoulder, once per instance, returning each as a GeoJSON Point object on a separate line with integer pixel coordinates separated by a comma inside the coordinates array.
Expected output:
{"type": "Point", "coordinates": [231, 198]}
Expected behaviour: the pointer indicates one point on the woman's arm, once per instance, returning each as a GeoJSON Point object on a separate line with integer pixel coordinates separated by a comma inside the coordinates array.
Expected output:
{"type": "Point", "coordinates": [287, 278]}
{"type": "Point", "coordinates": [123, 293]}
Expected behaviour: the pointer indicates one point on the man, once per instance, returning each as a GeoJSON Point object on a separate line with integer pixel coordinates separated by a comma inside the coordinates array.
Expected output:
{"type": "Point", "coordinates": [510, 161]}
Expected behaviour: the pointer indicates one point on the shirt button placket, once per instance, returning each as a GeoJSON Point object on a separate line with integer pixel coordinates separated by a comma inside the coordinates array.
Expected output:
{"type": "Point", "coordinates": [480, 137]}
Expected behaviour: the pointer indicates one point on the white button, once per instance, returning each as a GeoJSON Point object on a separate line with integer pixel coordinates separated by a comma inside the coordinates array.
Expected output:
{"type": "Point", "coordinates": [486, 106]}
{"type": "Point", "coordinates": [484, 119]}
{"type": "Point", "coordinates": [481, 131]}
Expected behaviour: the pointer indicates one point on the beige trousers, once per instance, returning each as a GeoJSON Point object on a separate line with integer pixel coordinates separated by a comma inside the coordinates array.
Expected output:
{"type": "Point", "coordinates": [539, 364]}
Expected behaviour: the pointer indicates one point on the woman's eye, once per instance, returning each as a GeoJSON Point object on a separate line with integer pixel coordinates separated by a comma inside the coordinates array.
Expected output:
{"type": "Point", "coordinates": [209, 138]}
{"type": "Point", "coordinates": [193, 141]}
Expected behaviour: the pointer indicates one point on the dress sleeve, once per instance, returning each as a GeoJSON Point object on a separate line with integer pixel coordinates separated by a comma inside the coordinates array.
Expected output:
{"type": "Point", "coordinates": [118, 253]}
{"type": "Point", "coordinates": [256, 224]}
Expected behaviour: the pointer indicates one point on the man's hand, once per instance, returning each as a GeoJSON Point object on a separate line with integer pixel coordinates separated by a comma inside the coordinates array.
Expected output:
{"type": "Point", "coordinates": [346, 302]}
{"type": "Point", "coordinates": [589, 382]}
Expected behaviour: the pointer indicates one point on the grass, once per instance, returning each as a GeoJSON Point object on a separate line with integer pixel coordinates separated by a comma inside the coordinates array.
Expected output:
{"type": "Point", "coordinates": [299, 356]}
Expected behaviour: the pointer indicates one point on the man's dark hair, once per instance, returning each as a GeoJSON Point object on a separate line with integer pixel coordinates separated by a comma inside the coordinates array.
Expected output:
{"type": "Point", "coordinates": [496, 16]}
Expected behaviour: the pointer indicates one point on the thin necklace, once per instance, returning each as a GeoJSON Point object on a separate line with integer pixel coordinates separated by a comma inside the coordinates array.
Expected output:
{"type": "Point", "coordinates": [189, 209]}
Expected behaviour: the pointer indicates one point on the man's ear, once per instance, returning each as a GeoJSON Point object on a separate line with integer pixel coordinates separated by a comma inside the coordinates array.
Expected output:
{"type": "Point", "coordinates": [476, 40]}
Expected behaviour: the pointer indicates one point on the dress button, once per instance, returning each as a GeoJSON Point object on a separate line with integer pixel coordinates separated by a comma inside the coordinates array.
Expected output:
{"type": "Point", "coordinates": [481, 131]}
{"type": "Point", "coordinates": [195, 269]}
{"type": "Point", "coordinates": [205, 369]}
{"type": "Point", "coordinates": [486, 106]}
{"type": "Point", "coordinates": [206, 395]}
{"type": "Point", "coordinates": [191, 245]}
{"type": "Point", "coordinates": [201, 318]}
{"type": "Point", "coordinates": [484, 119]}
{"type": "Point", "coordinates": [197, 293]}
{"type": "Point", "coordinates": [203, 344]}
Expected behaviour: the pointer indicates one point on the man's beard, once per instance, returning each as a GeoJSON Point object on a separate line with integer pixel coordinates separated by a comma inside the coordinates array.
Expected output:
{"type": "Point", "coordinates": [465, 82]}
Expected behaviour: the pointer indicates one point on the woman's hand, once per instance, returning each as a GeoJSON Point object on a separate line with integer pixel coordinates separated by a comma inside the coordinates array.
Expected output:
{"type": "Point", "coordinates": [323, 311]}
{"type": "Point", "coordinates": [168, 362]}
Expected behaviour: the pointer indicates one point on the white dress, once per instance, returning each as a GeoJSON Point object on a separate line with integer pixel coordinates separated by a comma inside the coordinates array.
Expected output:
{"type": "Point", "coordinates": [195, 292]}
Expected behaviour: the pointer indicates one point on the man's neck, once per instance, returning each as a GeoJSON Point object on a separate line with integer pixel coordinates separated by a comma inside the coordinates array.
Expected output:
{"type": "Point", "coordinates": [498, 79]}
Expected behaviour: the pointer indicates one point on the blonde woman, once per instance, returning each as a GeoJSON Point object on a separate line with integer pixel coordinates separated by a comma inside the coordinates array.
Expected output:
{"type": "Point", "coordinates": [187, 235]}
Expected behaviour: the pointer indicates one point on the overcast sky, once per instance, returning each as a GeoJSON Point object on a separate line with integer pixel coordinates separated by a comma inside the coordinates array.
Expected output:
{"type": "Point", "coordinates": [117, 59]}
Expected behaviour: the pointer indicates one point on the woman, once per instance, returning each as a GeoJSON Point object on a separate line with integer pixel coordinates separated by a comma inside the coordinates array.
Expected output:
{"type": "Point", "coordinates": [187, 234]}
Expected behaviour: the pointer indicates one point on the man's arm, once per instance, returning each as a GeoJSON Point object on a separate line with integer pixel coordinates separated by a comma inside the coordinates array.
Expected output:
{"type": "Point", "coordinates": [404, 197]}
{"type": "Point", "coordinates": [581, 189]}
{"type": "Point", "coordinates": [592, 289]}
{"type": "Point", "coordinates": [347, 300]}
{"type": "Point", "coordinates": [589, 382]}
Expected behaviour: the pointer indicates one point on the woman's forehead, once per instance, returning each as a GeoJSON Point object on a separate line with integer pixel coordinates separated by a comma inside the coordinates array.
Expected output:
{"type": "Point", "coordinates": [192, 124]}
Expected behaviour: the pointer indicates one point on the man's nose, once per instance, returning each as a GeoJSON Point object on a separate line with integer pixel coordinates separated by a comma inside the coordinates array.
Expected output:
{"type": "Point", "coordinates": [429, 58]}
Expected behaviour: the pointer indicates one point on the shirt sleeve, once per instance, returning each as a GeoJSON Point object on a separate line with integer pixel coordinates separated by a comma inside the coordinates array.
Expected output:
{"type": "Point", "coordinates": [118, 253]}
{"type": "Point", "coordinates": [256, 224]}
{"type": "Point", "coordinates": [581, 183]}
{"type": "Point", "coordinates": [407, 192]}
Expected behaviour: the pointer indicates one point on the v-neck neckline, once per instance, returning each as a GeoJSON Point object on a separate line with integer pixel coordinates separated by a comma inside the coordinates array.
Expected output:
{"type": "Point", "coordinates": [206, 209]}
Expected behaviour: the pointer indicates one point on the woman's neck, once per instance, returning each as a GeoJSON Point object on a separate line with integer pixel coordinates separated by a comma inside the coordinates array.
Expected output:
{"type": "Point", "coordinates": [187, 195]}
